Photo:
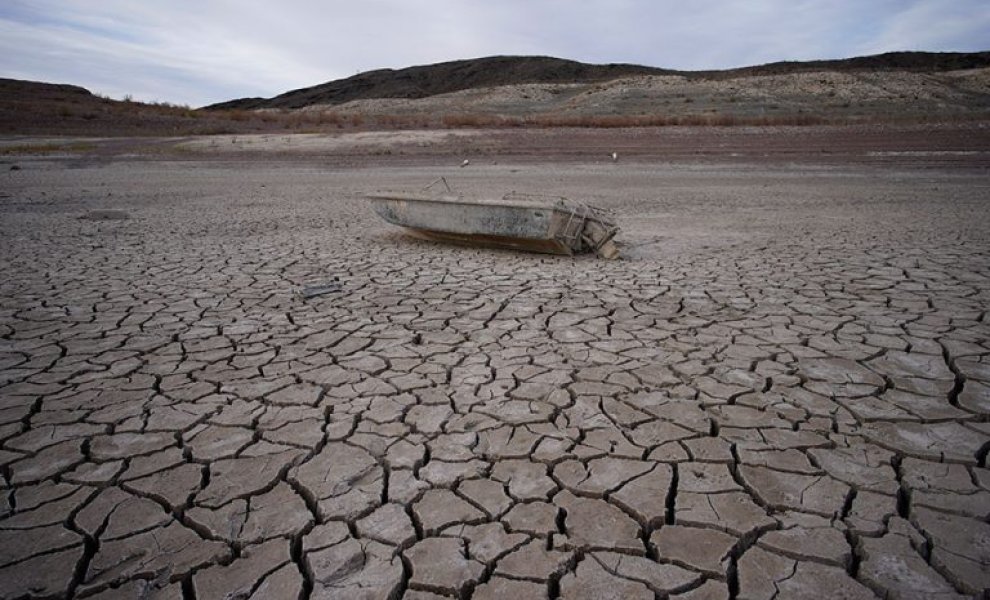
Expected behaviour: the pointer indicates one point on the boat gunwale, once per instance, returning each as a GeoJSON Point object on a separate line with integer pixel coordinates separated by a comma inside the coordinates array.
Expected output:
{"type": "Point", "coordinates": [551, 202]}
{"type": "Point", "coordinates": [603, 229]}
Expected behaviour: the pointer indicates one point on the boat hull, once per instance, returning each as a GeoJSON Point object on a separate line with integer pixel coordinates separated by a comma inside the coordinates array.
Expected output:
{"type": "Point", "coordinates": [527, 223]}
{"type": "Point", "coordinates": [497, 241]}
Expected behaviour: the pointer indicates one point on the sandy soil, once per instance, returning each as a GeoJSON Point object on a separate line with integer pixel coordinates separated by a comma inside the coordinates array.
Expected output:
{"type": "Point", "coordinates": [783, 385]}
{"type": "Point", "coordinates": [957, 145]}
{"type": "Point", "coordinates": [825, 94]}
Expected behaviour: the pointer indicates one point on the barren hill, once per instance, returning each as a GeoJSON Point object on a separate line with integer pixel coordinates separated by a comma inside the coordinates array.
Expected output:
{"type": "Point", "coordinates": [499, 71]}
{"type": "Point", "coordinates": [541, 91]}
{"type": "Point", "coordinates": [442, 78]}
{"type": "Point", "coordinates": [32, 107]}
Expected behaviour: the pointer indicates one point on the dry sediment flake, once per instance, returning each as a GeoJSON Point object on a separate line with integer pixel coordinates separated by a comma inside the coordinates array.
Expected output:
{"type": "Point", "coordinates": [805, 412]}
{"type": "Point", "coordinates": [763, 575]}
{"type": "Point", "coordinates": [344, 480]}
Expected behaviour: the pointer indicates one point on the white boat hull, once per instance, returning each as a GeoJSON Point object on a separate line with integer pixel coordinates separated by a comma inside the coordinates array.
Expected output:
{"type": "Point", "coordinates": [531, 223]}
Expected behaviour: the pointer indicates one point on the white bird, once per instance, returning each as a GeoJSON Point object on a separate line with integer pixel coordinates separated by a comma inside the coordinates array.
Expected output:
{"type": "Point", "coordinates": [615, 157]}
{"type": "Point", "coordinates": [465, 163]}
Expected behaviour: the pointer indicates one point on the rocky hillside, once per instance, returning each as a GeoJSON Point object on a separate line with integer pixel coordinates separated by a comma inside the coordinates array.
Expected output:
{"type": "Point", "coordinates": [500, 71]}
{"type": "Point", "coordinates": [540, 91]}
{"type": "Point", "coordinates": [794, 98]}
{"type": "Point", "coordinates": [430, 80]}
{"type": "Point", "coordinates": [36, 108]}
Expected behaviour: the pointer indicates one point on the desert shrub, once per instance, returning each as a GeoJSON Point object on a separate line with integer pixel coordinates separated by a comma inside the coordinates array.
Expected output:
{"type": "Point", "coordinates": [43, 149]}
{"type": "Point", "coordinates": [328, 118]}
{"type": "Point", "coordinates": [470, 120]}
{"type": "Point", "coordinates": [385, 120]}
{"type": "Point", "coordinates": [400, 121]}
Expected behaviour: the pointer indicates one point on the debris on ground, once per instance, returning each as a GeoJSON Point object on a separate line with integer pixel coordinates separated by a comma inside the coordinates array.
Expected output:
{"type": "Point", "coordinates": [106, 215]}
{"type": "Point", "coordinates": [321, 289]}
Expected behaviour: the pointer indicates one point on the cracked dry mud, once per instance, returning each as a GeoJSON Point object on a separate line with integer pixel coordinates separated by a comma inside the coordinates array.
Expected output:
{"type": "Point", "coordinates": [782, 391]}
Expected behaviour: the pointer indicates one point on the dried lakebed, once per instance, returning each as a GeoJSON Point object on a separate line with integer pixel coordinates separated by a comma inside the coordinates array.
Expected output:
{"type": "Point", "coordinates": [784, 387]}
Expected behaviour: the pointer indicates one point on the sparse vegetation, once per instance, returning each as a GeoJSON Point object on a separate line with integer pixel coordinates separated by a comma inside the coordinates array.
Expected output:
{"type": "Point", "coordinates": [712, 119]}
{"type": "Point", "coordinates": [784, 95]}
{"type": "Point", "coordinates": [45, 149]}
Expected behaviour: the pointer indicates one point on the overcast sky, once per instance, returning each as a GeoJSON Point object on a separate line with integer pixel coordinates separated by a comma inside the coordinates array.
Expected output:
{"type": "Point", "coordinates": [202, 51]}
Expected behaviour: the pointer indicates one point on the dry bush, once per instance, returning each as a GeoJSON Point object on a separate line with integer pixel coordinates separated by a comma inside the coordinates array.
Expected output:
{"type": "Point", "coordinates": [480, 121]}
{"type": "Point", "coordinates": [45, 149]}
{"type": "Point", "coordinates": [170, 106]}
{"type": "Point", "coordinates": [466, 120]}
{"type": "Point", "coordinates": [399, 121]}
{"type": "Point", "coordinates": [238, 114]}
{"type": "Point", "coordinates": [329, 118]}
{"type": "Point", "coordinates": [599, 121]}
{"type": "Point", "coordinates": [290, 120]}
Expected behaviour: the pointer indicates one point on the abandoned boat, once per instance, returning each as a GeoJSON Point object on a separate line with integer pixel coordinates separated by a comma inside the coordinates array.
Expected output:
{"type": "Point", "coordinates": [551, 225]}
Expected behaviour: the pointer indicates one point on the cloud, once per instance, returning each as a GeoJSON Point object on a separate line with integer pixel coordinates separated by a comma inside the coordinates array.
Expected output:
{"type": "Point", "coordinates": [205, 51]}
{"type": "Point", "coordinates": [936, 26]}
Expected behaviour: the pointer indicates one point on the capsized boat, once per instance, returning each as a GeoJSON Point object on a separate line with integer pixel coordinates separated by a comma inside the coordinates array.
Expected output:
{"type": "Point", "coordinates": [548, 224]}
